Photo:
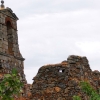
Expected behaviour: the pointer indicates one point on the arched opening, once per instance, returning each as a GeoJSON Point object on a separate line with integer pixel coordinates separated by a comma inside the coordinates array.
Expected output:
{"type": "Point", "coordinates": [10, 37]}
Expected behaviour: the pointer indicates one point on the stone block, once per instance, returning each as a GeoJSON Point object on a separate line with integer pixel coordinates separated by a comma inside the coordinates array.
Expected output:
{"type": "Point", "coordinates": [0, 20]}
{"type": "Point", "coordinates": [0, 49]}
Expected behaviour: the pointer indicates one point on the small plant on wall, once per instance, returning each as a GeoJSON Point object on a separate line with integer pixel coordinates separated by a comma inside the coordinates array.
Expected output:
{"type": "Point", "coordinates": [87, 88]}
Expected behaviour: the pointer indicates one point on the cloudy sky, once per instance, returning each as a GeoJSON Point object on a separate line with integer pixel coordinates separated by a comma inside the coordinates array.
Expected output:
{"type": "Point", "coordinates": [51, 30]}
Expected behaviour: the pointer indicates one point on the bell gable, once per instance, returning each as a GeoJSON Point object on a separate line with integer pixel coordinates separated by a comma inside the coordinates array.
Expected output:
{"type": "Point", "coordinates": [8, 12]}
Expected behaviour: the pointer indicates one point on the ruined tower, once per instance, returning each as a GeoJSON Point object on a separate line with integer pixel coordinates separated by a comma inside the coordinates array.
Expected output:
{"type": "Point", "coordinates": [10, 56]}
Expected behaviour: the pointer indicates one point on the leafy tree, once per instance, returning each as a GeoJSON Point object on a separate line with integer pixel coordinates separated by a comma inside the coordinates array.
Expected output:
{"type": "Point", "coordinates": [87, 88]}
{"type": "Point", "coordinates": [10, 85]}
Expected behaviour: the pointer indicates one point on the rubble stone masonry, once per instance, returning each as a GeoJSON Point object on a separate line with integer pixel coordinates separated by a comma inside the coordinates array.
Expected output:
{"type": "Point", "coordinates": [61, 81]}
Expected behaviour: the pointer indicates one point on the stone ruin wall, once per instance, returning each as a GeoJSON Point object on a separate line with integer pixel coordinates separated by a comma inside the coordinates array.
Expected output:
{"type": "Point", "coordinates": [61, 81]}
{"type": "Point", "coordinates": [10, 56]}
{"type": "Point", "coordinates": [7, 63]}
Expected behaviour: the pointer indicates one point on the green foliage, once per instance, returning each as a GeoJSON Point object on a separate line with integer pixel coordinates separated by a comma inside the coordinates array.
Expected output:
{"type": "Point", "coordinates": [87, 88]}
{"type": "Point", "coordinates": [10, 85]}
{"type": "Point", "coordinates": [76, 98]}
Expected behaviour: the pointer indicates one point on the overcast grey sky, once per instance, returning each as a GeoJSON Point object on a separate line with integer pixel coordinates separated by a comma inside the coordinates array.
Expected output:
{"type": "Point", "coordinates": [51, 30]}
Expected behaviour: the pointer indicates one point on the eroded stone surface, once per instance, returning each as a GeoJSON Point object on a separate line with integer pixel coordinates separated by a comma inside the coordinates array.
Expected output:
{"type": "Point", "coordinates": [61, 81]}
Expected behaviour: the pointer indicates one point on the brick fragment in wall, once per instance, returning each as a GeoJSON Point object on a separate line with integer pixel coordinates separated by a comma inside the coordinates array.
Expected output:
{"type": "Point", "coordinates": [61, 81]}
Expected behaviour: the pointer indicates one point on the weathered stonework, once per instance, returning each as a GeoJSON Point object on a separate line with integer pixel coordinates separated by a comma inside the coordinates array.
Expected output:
{"type": "Point", "coordinates": [10, 56]}
{"type": "Point", "coordinates": [61, 81]}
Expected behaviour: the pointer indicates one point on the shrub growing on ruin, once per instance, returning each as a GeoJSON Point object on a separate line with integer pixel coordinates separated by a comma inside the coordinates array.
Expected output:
{"type": "Point", "coordinates": [87, 88]}
{"type": "Point", "coordinates": [10, 86]}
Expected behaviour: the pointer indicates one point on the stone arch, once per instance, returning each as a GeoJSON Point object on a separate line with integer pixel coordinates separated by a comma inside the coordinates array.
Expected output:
{"type": "Point", "coordinates": [7, 19]}
{"type": "Point", "coordinates": [9, 35]}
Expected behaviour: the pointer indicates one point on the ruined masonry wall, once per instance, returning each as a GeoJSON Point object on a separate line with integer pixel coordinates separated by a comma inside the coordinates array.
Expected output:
{"type": "Point", "coordinates": [61, 81]}
{"type": "Point", "coordinates": [7, 63]}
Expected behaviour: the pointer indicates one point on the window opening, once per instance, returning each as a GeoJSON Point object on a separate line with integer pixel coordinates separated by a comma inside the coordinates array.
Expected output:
{"type": "Point", "coordinates": [61, 70]}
